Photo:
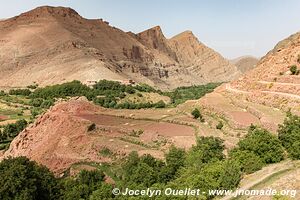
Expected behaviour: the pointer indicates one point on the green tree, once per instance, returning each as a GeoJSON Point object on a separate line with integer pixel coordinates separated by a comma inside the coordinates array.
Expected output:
{"type": "Point", "coordinates": [289, 135]}
{"type": "Point", "coordinates": [206, 149]}
{"type": "Point", "coordinates": [104, 192]}
{"type": "Point", "coordinates": [263, 144]}
{"type": "Point", "coordinates": [249, 161]}
{"type": "Point", "coordinates": [196, 113]}
{"type": "Point", "coordinates": [23, 179]}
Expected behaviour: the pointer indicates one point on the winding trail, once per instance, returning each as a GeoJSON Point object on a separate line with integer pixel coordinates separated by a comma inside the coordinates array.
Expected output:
{"type": "Point", "coordinates": [262, 175]}
{"type": "Point", "coordinates": [295, 96]}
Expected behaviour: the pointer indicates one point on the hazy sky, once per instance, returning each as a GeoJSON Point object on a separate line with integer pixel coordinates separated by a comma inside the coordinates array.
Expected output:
{"type": "Point", "coordinates": [231, 27]}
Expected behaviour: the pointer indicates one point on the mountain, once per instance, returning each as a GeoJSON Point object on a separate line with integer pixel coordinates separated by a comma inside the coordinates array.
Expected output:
{"type": "Point", "coordinates": [201, 60]}
{"type": "Point", "coordinates": [272, 81]}
{"type": "Point", "coordinates": [262, 95]}
{"type": "Point", "coordinates": [51, 45]}
{"type": "Point", "coordinates": [245, 63]}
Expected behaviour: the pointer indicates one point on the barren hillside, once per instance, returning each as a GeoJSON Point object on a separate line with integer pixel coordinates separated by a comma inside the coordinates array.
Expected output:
{"type": "Point", "coordinates": [50, 45]}
{"type": "Point", "coordinates": [245, 63]}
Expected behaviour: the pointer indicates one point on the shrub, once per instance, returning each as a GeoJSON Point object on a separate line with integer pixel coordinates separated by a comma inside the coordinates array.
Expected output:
{"type": "Point", "coordinates": [293, 69]}
{"type": "Point", "coordinates": [289, 135]}
{"type": "Point", "coordinates": [196, 113]}
{"type": "Point", "coordinates": [298, 59]}
{"type": "Point", "coordinates": [91, 127]}
{"type": "Point", "coordinates": [106, 152]}
{"type": "Point", "coordinates": [219, 125]}
{"type": "Point", "coordinates": [135, 133]}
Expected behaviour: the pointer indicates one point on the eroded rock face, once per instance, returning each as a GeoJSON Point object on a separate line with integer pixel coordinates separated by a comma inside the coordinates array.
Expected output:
{"type": "Point", "coordinates": [58, 138]}
{"type": "Point", "coordinates": [50, 45]}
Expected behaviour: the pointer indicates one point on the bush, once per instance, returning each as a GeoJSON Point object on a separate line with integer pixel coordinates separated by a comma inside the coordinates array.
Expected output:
{"type": "Point", "coordinates": [263, 144]}
{"type": "Point", "coordinates": [298, 59]}
{"type": "Point", "coordinates": [219, 125]}
{"type": "Point", "coordinates": [289, 135]}
{"type": "Point", "coordinates": [91, 127]}
{"type": "Point", "coordinates": [294, 69]}
{"type": "Point", "coordinates": [196, 113]}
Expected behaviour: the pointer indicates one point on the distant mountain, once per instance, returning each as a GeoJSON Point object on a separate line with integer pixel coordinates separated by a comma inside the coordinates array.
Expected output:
{"type": "Point", "coordinates": [245, 63]}
{"type": "Point", "coordinates": [51, 45]}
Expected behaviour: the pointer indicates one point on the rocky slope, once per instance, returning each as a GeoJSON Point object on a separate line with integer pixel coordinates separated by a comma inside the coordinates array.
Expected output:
{"type": "Point", "coordinates": [245, 63]}
{"type": "Point", "coordinates": [272, 82]}
{"type": "Point", "coordinates": [264, 94]}
{"type": "Point", "coordinates": [51, 45]}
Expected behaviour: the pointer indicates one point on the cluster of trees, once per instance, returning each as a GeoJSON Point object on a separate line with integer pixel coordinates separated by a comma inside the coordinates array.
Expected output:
{"type": "Point", "coordinates": [105, 93]}
{"type": "Point", "coordinates": [10, 131]}
{"type": "Point", "coordinates": [23, 92]}
{"type": "Point", "coordinates": [258, 148]}
{"type": "Point", "coordinates": [182, 94]}
{"type": "Point", "coordinates": [23, 179]}
{"type": "Point", "coordinates": [108, 93]}
{"type": "Point", "coordinates": [41, 103]}
{"type": "Point", "coordinates": [204, 166]}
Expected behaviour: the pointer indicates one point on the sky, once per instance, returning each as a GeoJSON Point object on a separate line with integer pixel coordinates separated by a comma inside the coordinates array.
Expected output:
{"type": "Point", "coordinates": [233, 28]}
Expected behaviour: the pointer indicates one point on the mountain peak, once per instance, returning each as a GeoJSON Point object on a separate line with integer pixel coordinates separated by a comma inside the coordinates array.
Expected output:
{"type": "Point", "coordinates": [45, 11]}
{"type": "Point", "coordinates": [156, 30]}
{"type": "Point", "coordinates": [184, 35]}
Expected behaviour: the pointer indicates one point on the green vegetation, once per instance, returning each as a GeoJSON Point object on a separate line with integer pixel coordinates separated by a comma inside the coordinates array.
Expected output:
{"type": "Point", "coordinates": [289, 135]}
{"type": "Point", "coordinates": [219, 125]}
{"type": "Point", "coordinates": [24, 179]}
{"type": "Point", "coordinates": [135, 133]}
{"type": "Point", "coordinates": [106, 152]}
{"type": "Point", "coordinates": [10, 131]}
{"type": "Point", "coordinates": [294, 70]}
{"type": "Point", "coordinates": [249, 161]}
{"type": "Point", "coordinates": [109, 94]}
{"type": "Point", "coordinates": [182, 94]}
{"type": "Point", "coordinates": [263, 144]}
{"type": "Point", "coordinates": [24, 92]}
{"type": "Point", "coordinates": [197, 115]}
